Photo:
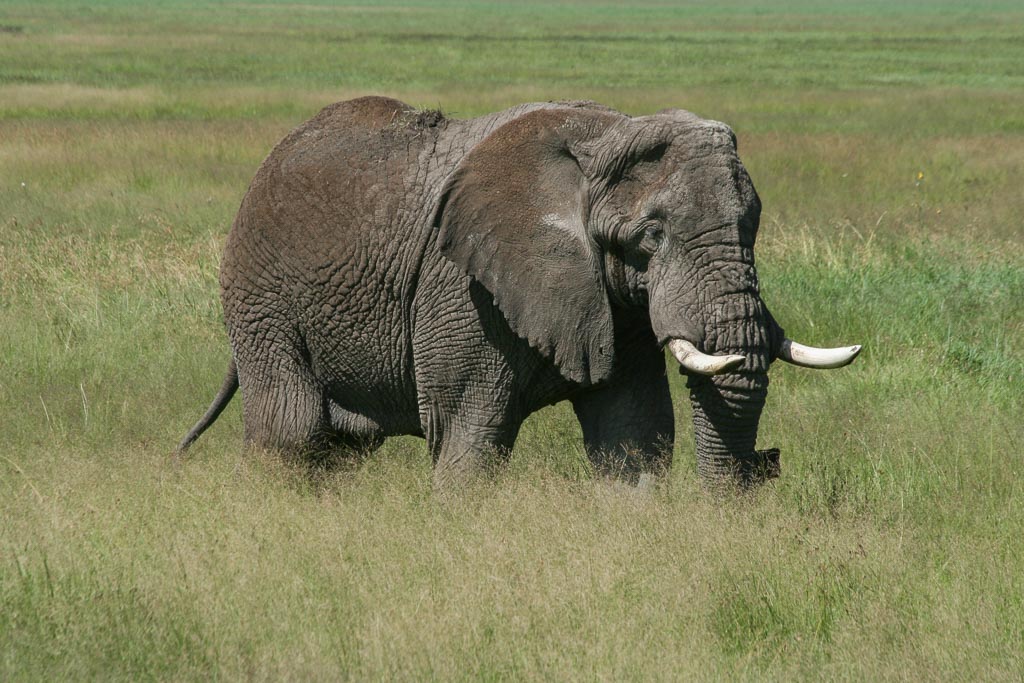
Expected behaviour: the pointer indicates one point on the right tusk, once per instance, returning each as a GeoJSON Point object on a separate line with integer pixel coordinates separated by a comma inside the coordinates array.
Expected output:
{"type": "Point", "coordinates": [701, 363]}
{"type": "Point", "coordinates": [811, 357]}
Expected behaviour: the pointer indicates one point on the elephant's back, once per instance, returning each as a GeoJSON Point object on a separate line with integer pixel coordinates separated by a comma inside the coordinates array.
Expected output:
{"type": "Point", "coordinates": [373, 113]}
{"type": "Point", "coordinates": [323, 205]}
{"type": "Point", "coordinates": [324, 170]}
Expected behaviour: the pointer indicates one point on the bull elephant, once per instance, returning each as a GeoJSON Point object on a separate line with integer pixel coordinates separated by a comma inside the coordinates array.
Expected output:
{"type": "Point", "coordinates": [392, 271]}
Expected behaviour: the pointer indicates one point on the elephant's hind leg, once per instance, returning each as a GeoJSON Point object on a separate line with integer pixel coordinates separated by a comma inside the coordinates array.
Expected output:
{"type": "Point", "coordinates": [283, 410]}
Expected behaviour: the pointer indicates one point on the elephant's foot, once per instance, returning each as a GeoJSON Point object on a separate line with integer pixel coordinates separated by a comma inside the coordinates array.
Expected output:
{"type": "Point", "coordinates": [640, 467]}
{"type": "Point", "coordinates": [464, 456]}
{"type": "Point", "coordinates": [742, 473]}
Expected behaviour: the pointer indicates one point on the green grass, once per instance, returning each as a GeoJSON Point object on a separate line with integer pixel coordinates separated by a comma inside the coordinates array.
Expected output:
{"type": "Point", "coordinates": [890, 547]}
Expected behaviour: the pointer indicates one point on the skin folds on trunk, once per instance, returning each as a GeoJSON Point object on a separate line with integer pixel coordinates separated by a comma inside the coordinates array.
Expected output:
{"type": "Point", "coordinates": [727, 407]}
{"type": "Point", "coordinates": [726, 413]}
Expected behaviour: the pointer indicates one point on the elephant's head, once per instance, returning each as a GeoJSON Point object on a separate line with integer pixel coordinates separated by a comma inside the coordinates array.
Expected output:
{"type": "Point", "coordinates": [564, 214]}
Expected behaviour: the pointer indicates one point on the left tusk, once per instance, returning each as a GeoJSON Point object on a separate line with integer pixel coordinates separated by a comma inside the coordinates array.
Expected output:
{"type": "Point", "coordinates": [811, 357]}
{"type": "Point", "coordinates": [701, 363]}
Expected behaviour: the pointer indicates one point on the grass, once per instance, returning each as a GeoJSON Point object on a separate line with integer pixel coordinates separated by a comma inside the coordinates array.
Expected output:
{"type": "Point", "coordinates": [887, 143]}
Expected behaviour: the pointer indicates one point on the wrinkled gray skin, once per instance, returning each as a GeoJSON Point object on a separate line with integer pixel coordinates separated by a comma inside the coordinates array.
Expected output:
{"type": "Point", "coordinates": [394, 272]}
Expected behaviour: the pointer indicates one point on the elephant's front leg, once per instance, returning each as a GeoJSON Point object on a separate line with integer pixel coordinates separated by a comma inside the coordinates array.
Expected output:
{"type": "Point", "coordinates": [464, 450]}
{"type": "Point", "coordinates": [468, 417]}
{"type": "Point", "coordinates": [628, 423]}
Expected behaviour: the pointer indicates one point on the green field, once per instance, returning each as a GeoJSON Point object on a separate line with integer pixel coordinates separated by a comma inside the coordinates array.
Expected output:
{"type": "Point", "coordinates": [886, 140]}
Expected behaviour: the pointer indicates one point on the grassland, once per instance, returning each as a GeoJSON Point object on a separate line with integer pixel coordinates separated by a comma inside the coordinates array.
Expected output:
{"type": "Point", "coordinates": [887, 143]}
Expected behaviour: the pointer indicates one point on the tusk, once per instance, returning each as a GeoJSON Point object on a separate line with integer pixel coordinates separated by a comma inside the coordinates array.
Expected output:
{"type": "Point", "coordinates": [701, 363]}
{"type": "Point", "coordinates": [811, 357]}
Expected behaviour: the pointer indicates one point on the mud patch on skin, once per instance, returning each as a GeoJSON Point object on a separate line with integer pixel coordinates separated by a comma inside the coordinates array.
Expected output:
{"type": "Point", "coordinates": [428, 118]}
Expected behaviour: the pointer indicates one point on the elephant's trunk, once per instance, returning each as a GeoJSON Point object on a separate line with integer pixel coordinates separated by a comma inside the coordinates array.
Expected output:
{"type": "Point", "coordinates": [725, 422]}
{"type": "Point", "coordinates": [727, 406]}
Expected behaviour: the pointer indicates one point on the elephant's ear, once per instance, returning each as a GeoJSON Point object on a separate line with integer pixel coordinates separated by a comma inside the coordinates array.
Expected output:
{"type": "Point", "coordinates": [513, 216]}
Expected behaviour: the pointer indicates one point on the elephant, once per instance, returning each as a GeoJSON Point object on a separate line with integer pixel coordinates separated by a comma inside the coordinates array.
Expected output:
{"type": "Point", "coordinates": [393, 271]}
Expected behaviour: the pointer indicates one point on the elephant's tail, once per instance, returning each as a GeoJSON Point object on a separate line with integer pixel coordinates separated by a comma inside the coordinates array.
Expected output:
{"type": "Point", "coordinates": [227, 390]}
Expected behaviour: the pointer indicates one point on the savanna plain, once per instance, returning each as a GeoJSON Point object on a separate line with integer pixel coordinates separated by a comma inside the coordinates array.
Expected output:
{"type": "Point", "coordinates": [887, 143]}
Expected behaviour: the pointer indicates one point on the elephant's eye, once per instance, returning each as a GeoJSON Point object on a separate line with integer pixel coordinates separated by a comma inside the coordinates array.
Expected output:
{"type": "Point", "coordinates": [653, 235]}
